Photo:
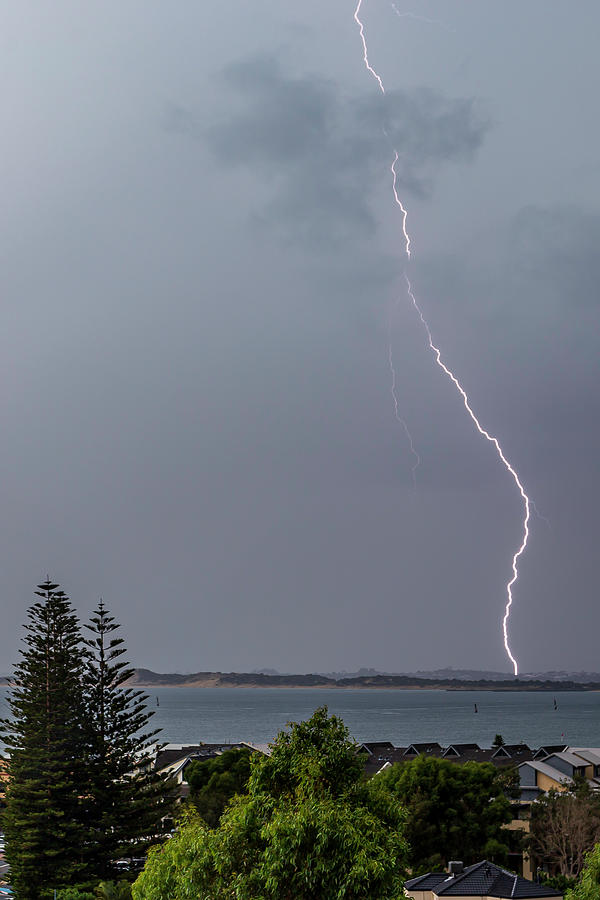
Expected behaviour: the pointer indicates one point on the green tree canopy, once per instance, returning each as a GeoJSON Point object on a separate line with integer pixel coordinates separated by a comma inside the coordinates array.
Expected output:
{"type": "Point", "coordinates": [213, 782]}
{"type": "Point", "coordinates": [308, 827]}
{"type": "Point", "coordinates": [588, 885]}
{"type": "Point", "coordinates": [454, 811]}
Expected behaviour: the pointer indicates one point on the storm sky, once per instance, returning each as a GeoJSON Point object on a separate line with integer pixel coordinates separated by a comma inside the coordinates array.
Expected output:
{"type": "Point", "coordinates": [202, 265]}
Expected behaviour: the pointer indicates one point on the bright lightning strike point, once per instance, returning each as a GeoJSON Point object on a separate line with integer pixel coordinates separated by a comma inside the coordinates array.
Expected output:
{"type": "Point", "coordinates": [450, 374]}
{"type": "Point", "coordinates": [507, 465]}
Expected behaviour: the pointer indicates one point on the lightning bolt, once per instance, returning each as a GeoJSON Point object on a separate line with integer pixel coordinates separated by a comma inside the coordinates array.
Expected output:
{"type": "Point", "coordinates": [410, 15]}
{"type": "Point", "coordinates": [452, 377]}
{"type": "Point", "coordinates": [372, 71]}
{"type": "Point", "coordinates": [526, 501]}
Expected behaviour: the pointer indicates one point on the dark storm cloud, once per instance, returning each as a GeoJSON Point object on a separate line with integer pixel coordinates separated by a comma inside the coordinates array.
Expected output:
{"type": "Point", "coordinates": [197, 416]}
{"type": "Point", "coordinates": [325, 150]}
{"type": "Point", "coordinates": [426, 126]}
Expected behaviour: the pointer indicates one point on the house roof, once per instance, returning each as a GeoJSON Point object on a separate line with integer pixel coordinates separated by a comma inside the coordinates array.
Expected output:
{"type": "Point", "coordinates": [513, 750]}
{"type": "Point", "coordinates": [427, 882]}
{"type": "Point", "coordinates": [427, 747]}
{"type": "Point", "coordinates": [548, 770]}
{"type": "Point", "coordinates": [550, 748]}
{"type": "Point", "coordinates": [568, 757]}
{"type": "Point", "coordinates": [173, 769]}
{"type": "Point", "coordinates": [377, 763]}
{"type": "Point", "coordinates": [589, 754]}
{"type": "Point", "coordinates": [482, 879]}
{"type": "Point", "coordinates": [170, 753]}
{"type": "Point", "coordinates": [265, 749]}
{"type": "Point", "coordinates": [460, 749]}
{"type": "Point", "coordinates": [377, 746]}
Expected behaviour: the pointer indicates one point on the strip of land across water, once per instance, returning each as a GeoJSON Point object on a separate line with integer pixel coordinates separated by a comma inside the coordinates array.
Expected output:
{"type": "Point", "coordinates": [147, 678]}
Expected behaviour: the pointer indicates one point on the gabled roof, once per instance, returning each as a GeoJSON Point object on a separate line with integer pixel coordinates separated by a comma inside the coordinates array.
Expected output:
{"type": "Point", "coordinates": [482, 755]}
{"type": "Point", "coordinates": [377, 746]}
{"type": "Point", "coordinates": [591, 755]}
{"type": "Point", "coordinates": [174, 769]}
{"type": "Point", "coordinates": [460, 749]}
{"type": "Point", "coordinates": [570, 758]}
{"type": "Point", "coordinates": [513, 750]}
{"type": "Point", "coordinates": [501, 751]}
{"type": "Point", "coordinates": [429, 747]}
{"type": "Point", "coordinates": [548, 749]}
{"type": "Point", "coordinates": [550, 771]}
{"type": "Point", "coordinates": [484, 879]}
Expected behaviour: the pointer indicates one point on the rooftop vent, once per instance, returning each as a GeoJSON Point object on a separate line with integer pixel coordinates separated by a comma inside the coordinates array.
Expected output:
{"type": "Point", "coordinates": [455, 867]}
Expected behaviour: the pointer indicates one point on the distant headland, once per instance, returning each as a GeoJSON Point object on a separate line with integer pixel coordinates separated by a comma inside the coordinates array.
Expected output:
{"type": "Point", "coordinates": [441, 679]}
{"type": "Point", "coordinates": [147, 678]}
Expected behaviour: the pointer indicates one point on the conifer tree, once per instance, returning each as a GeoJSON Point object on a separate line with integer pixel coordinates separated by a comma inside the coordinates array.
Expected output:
{"type": "Point", "coordinates": [47, 740]}
{"type": "Point", "coordinates": [128, 798]}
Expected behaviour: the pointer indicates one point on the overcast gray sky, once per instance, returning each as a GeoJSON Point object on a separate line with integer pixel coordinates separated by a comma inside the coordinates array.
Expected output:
{"type": "Point", "coordinates": [201, 264]}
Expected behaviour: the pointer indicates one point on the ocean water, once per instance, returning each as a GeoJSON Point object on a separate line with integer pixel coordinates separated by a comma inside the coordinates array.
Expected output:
{"type": "Point", "coordinates": [258, 714]}
{"type": "Point", "coordinates": [403, 717]}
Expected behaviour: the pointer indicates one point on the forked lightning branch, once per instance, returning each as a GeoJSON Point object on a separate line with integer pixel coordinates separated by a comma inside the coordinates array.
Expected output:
{"type": "Point", "coordinates": [448, 372]}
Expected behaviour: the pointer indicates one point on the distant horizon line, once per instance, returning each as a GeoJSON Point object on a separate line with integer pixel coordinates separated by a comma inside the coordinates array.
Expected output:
{"type": "Point", "coordinates": [560, 674]}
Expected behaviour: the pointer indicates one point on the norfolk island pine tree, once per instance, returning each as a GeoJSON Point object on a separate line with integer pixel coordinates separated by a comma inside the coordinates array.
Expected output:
{"type": "Point", "coordinates": [127, 798]}
{"type": "Point", "coordinates": [48, 741]}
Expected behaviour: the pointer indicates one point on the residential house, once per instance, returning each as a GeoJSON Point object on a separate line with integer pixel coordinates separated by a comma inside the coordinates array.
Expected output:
{"type": "Point", "coordinates": [557, 771]}
{"type": "Point", "coordinates": [172, 760]}
{"type": "Point", "coordinates": [481, 881]}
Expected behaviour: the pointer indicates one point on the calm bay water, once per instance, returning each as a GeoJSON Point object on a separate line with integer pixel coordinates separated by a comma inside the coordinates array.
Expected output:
{"type": "Point", "coordinates": [257, 714]}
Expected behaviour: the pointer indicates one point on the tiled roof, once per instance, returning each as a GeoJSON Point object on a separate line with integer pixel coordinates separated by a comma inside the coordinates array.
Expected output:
{"type": "Point", "coordinates": [378, 746]}
{"type": "Point", "coordinates": [480, 755]}
{"type": "Point", "coordinates": [514, 751]}
{"type": "Point", "coordinates": [459, 749]}
{"type": "Point", "coordinates": [429, 747]}
{"type": "Point", "coordinates": [481, 880]}
{"type": "Point", "coordinates": [426, 882]}
{"type": "Point", "coordinates": [550, 748]}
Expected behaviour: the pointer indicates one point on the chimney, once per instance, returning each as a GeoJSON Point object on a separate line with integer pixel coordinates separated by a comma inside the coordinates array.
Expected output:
{"type": "Point", "coordinates": [455, 867]}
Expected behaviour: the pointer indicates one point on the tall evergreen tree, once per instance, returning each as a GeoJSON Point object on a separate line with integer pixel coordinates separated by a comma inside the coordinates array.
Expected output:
{"type": "Point", "coordinates": [48, 741]}
{"type": "Point", "coordinates": [128, 798]}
